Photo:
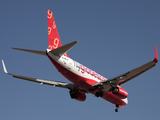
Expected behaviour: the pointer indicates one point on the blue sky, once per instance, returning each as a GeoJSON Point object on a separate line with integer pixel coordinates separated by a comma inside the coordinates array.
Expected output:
{"type": "Point", "coordinates": [114, 37]}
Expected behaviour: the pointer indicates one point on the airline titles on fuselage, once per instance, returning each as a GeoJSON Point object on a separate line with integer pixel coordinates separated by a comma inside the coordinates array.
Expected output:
{"type": "Point", "coordinates": [84, 69]}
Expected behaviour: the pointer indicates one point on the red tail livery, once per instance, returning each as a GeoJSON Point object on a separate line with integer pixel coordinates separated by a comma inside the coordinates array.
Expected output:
{"type": "Point", "coordinates": [53, 36]}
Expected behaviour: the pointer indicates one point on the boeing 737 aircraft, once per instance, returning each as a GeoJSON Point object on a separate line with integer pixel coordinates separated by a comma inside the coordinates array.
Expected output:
{"type": "Point", "coordinates": [84, 80]}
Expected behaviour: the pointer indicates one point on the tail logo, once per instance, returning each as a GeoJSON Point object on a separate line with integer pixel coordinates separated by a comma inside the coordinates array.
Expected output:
{"type": "Point", "coordinates": [49, 15]}
{"type": "Point", "coordinates": [55, 44]}
{"type": "Point", "coordinates": [54, 25]}
{"type": "Point", "coordinates": [50, 28]}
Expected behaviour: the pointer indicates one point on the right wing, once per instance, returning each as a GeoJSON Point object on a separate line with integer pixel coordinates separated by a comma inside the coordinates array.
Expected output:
{"type": "Point", "coordinates": [126, 77]}
{"type": "Point", "coordinates": [47, 82]}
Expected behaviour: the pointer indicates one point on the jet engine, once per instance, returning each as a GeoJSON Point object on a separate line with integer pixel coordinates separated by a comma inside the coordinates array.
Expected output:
{"type": "Point", "coordinates": [120, 92]}
{"type": "Point", "coordinates": [78, 95]}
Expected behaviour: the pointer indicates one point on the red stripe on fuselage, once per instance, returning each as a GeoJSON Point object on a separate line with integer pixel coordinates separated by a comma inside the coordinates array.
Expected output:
{"type": "Point", "coordinates": [85, 84]}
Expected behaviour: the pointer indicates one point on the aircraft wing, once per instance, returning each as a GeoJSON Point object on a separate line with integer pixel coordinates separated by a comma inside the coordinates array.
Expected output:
{"type": "Point", "coordinates": [46, 82]}
{"type": "Point", "coordinates": [124, 78]}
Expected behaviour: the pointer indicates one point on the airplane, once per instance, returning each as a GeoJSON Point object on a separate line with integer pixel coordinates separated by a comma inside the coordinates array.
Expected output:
{"type": "Point", "coordinates": [84, 80]}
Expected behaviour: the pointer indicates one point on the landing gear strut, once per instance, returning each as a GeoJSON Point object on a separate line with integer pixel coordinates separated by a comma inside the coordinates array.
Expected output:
{"type": "Point", "coordinates": [117, 110]}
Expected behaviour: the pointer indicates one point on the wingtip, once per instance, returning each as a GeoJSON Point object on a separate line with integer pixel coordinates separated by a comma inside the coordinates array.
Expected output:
{"type": "Point", "coordinates": [4, 67]}
{"type": "Point", "coordinates": [156, 55]}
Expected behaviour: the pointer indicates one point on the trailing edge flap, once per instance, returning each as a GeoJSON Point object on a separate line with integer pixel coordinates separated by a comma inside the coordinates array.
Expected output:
{"type": "Point", "coordinates": [63, 49]}
{"type": "Point", "coordinates": [32, 51]}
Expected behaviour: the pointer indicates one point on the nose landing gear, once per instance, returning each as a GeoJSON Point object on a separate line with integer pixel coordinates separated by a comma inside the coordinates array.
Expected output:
{"type": "Point", "coordinates": [117, 110]}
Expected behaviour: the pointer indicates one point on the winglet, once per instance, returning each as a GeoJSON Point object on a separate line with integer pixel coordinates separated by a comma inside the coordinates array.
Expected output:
{"type": "Point", "coordinates": [156, 55]}
{"type": "Point", "coordinates": [4, 67]}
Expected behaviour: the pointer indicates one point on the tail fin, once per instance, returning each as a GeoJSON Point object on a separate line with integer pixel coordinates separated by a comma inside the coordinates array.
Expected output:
{"type": "Point", "coordinates": [53, 36]}
{"type": "Point", "coordinates": [54, 41]}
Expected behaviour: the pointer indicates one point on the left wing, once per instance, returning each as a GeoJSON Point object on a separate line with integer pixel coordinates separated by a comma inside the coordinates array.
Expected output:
{"type": "Point", "coordinates": [124, 78]}
{"type": "Point", "coordinates": [47, 82]}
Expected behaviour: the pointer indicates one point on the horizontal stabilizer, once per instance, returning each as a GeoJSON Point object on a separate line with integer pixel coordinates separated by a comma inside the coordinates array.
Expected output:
{"type": "Point", "coordinates": [32, 51]}
{"type": "Point", "coordinates": [63, 49]}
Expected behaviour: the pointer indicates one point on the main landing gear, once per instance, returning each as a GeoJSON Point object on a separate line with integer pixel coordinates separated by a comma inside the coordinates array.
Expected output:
{"type": "Point", "coordinates": [117, 110]}
{"type": "Point", "coordinates": [73, 94]}
{"type": "Point", "coordinates": [99, 94]}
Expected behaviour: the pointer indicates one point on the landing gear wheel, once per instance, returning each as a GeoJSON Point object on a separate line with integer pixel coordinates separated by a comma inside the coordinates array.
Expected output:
{"type": "Point", "coordinates": [99, 94]}
{"type": "Point", "coordinates": [116, 110]}
{"type": "Point", "coordinates": [73, 94]}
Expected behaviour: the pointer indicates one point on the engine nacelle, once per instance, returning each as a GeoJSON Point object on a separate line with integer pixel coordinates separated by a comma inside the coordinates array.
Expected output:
{"type": "Point", "coordinates": [120, 92]}
{"type": "Point", "coordinates": [78, 95]}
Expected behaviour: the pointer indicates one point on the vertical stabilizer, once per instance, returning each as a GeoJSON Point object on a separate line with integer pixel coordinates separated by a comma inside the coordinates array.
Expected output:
{"type": "Point", "coordinates": [53, 36]}
{"type": "Point", "coordinates": [54, 41]}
